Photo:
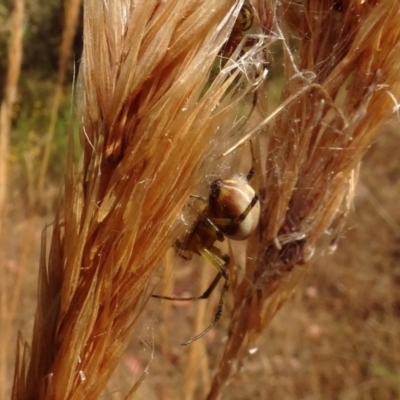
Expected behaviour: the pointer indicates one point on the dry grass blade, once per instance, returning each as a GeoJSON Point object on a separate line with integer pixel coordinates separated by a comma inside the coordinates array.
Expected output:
{"type": "Point", "coordinates": [348, 58]}
{"type": "Point", "coordinates": [147, 126]}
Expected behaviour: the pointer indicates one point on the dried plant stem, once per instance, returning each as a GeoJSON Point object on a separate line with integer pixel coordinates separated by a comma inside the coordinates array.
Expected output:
{"type": "Point", "coordinates": [6, 114]}
{"type": "Point", "coordinates": [167, 286]}
{"type": "Point", "coordinates": [198, 363]}
{"type": "Point", "coordinates": [71, 15]}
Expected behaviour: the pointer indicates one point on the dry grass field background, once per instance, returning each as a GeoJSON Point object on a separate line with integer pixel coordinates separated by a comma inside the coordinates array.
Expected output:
{"type": "Point", "coordinates": [336, 337]}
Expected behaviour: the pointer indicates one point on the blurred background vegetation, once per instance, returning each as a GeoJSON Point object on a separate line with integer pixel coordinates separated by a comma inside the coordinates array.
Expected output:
{"type": "Point", "coordinates": [42, 36]}
{"type": "Point", "coordinates": [338, 338]}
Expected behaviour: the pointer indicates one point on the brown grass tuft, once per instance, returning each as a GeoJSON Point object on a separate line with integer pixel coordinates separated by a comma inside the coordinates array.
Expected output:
{"type": "Point", "coordinates": [341, 76]}
{"type": "Point", "coordinates": [146, 131]}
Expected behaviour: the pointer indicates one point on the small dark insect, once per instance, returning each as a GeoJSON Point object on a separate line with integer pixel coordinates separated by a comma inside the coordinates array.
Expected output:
{"type": "Point", "coordinates": [242, 24]}
{"type": "Point", "coordinates": [233, 211]}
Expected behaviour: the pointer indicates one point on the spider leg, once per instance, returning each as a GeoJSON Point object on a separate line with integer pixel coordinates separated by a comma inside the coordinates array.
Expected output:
{"type": "Point", "coordinates": [243, 215]}
{"type": "Point", "coordinates": [219, 235]}
{"type": "Point", "coordinates": [251, 172]}
{"type": "Point", "coordinates": [223, 271]}
{"type": "Point", "coordinates": [228, 222]}
{"type": "Point", "coordinates": [212, 228]}
{"type": "Point", "coordinates": [205, 295]}
{"type": "Point", "coordinates": [213, 284]}
{"type": "Point", "coordinates": [197, 197]}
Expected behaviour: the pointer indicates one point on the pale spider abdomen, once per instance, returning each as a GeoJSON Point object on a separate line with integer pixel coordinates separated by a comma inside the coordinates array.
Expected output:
{"type": "Point", "coordinates": [228, 201]}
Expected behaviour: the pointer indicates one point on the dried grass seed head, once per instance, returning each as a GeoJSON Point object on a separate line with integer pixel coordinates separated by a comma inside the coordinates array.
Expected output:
{"type": "Point", "coordinates": [147, 128]}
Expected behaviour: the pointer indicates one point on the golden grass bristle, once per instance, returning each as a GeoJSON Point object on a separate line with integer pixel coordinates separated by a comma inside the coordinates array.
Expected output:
{"type": "Point", "coordinates": [147, 130]}
{"type": "Point", "coordinates": [343, 60]}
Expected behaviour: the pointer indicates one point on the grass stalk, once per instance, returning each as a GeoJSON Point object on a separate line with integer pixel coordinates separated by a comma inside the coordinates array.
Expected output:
{"type": "Point", "coordinates": [6, 115]}
{"type": "Point", "coordinates": [71, 15]}
{"type": "Point", "coordinates": [311, 150]}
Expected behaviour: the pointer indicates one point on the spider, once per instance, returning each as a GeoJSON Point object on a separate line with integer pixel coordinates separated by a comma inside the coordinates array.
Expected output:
{"type": "Point", "coordinates": [242, 24]}
{"type": "Point", "coordinates": [233, 211]}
